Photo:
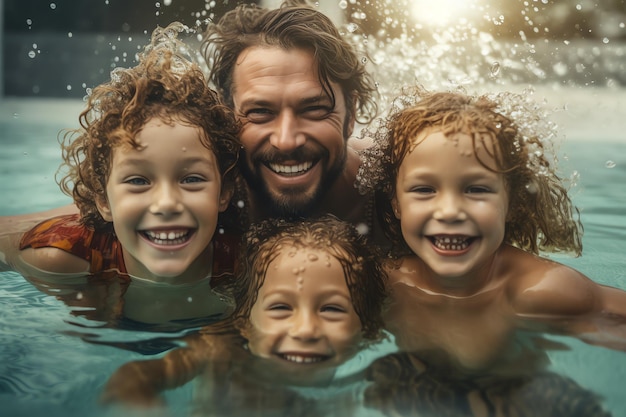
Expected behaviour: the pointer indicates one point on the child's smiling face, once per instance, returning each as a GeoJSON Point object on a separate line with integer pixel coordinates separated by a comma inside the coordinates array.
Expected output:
{"type": "Point", "coordinates": [452, 209]}
{"type": "Point", "coordinates": [303, 318]}
{"type": "Point", "coordinates": [163, 200]}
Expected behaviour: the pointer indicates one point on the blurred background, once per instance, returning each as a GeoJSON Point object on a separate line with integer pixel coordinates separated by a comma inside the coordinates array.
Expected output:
{"type": "Point", "coordinates": [58, 48]}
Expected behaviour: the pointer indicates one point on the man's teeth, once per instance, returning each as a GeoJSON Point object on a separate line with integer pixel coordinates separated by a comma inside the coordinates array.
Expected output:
{"type": "Point", "coordinates": [291, 169]}
{"type": "Point", "coordinates": [303, 359]}
{"type": "Point", "coordinates": [451, 243]}
{"type": "Point", "coordinates": [167, 238]}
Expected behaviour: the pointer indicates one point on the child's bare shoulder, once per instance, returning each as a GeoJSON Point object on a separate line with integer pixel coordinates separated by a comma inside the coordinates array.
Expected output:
{"type": "Point", "coordinates": [546, 287]}
{"type": "Point", "coordinates": [405, 269]}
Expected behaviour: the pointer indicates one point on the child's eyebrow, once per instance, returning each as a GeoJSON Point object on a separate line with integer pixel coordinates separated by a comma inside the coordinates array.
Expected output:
{"type": "Point", "coordinates": [191, 159]}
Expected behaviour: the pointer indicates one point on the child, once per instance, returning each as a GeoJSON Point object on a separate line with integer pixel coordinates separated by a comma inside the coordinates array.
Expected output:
{"type": "Point", "coordinates": [150, 170]}
{"type": "Point", "coordinates": [308, 293]}
{"type": "Point", "coordinates": [470, 198]}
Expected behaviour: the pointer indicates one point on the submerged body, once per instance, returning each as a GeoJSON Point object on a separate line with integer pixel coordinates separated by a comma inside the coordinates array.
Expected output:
{"type": "Point", "coordinates": [469, 206]}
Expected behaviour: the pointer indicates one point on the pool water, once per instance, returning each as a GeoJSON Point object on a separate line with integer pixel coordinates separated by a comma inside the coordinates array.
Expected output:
{"type": "Point", "coordinates": [47, 369]}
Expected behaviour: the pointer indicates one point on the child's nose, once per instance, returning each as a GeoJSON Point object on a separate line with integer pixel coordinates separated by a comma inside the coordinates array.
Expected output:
{"type": "Point", "coordinates": [166, 200]}
{"type": "Point", "coordinates": [286, 135]}
{"type": "Point", "coordinates": [449, 208]}
{"type": "Point", "coordinates": [305, 326]}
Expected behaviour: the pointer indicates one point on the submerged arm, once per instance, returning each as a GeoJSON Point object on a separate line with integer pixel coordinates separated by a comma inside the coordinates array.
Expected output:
{"type": "Point", "coordinates": [140, 383]}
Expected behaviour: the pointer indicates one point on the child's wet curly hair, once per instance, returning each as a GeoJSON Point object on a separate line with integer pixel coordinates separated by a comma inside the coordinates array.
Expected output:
{"type": "Point", "coordinates": [362, 267]}
{"type": "Point", "coordinates": [165, 84]}
{"type": "Point", "coordinates": [541, 215]}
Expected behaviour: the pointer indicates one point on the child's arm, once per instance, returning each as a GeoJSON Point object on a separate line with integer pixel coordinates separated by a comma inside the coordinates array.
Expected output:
{"type": "Point", "coordinates": [568, 302]}
{"type": "Point", "coordinates": [43, 261]}
{"type": "Point", "coordinates": [23, 222]}
{"type": "Point", "coordinates": [140, 383]}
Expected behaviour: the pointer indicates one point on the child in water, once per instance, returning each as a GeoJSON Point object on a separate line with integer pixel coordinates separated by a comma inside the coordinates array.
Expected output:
{"type": "Point", "coordinates": [470, 199]}
{"type": "Point", "coordinates": [309, 294]}
{"type": "Point", "coordinates": [150, 170]}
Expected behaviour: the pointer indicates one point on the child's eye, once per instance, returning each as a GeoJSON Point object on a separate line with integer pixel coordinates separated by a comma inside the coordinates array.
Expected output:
{"type": "Point", "coordinates": [193, 179]}
{"type": "Point", "coordinates": [136, 181]}
{"type": "Point", "coordinates": [423, 189]}
{"type": "Point", "coordinates": [478, 189]}
{"type": "Point", "coordinates": [333, 308]}
{"type": "Point", "coordinates": [279, 307]}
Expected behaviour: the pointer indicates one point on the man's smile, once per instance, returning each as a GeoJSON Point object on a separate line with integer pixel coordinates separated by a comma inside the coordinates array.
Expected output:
{"type": "Point", "coordinates": [290, 170]}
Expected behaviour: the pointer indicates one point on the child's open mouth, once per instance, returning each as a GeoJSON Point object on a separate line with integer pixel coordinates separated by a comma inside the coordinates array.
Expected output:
{"type": "Point", "coordinates": [304, 359]}
{"type": "Point", "coordinates": [169, 237]}
{"type": "Point", "coordinates": [451, 243]}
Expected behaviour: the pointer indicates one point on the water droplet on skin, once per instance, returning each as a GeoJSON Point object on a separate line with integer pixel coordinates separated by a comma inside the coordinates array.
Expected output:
{"type": "Point", "coordinates": [312, 257]}
{"type": "Point", "coordinates": [610, 164]}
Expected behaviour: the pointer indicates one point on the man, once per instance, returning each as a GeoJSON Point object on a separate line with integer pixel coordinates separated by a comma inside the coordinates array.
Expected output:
{"type": "Point", "coordinates": [298, 87]}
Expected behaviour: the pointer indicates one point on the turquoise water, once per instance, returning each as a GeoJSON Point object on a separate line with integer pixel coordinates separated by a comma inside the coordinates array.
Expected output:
{"type": "Point", "coordinates": [47, 370]}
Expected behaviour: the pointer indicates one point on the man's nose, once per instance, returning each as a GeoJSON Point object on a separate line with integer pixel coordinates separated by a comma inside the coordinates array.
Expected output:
{"type": "Point", "coordinates": [287, 135]}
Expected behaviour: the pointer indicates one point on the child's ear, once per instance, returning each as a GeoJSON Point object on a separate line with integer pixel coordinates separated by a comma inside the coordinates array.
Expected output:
{"type": "Point", "coordinates": [104, 209]}
{"type": "Point", "coordinates": [228, 189]}
{"type": "Point", "coordinates": [396, 209]}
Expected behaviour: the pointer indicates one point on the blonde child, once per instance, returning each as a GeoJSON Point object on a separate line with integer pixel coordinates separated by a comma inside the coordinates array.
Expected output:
{"type": "Point", "coordinates": [150, 170]}
{"type": "Point", "coordinates": [309, 294]}
{"type": "Point", "coordinates": [470, 197]}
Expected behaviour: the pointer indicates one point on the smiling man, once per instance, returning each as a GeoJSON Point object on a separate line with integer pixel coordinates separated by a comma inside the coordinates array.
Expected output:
{"type": "Point", "coordinates": [298, 88]}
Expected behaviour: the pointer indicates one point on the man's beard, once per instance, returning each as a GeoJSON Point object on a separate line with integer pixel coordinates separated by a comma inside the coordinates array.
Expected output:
{"type": "Point", "coordinates": [294, 203]}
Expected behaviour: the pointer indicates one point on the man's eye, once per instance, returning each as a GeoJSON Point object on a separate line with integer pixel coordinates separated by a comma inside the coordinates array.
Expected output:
{"type": "Point", "coordinates": [136, 181]}
{"type": "Point", "coordinates": [259, 115]}
{"type": "Point", "coordinates": [317, 112]}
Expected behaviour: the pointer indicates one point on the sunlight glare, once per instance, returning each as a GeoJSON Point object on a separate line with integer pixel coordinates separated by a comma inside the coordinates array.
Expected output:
{"type": "Point", "coordinates": [443, 12]}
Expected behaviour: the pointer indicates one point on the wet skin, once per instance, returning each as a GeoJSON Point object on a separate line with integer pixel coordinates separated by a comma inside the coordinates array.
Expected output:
{"type": "Point", "coordinates": [163, 200]}
{"type": "Point", "coordinates": [295, 141]}
{"type": "Point", "coordinates": [303, 319]}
